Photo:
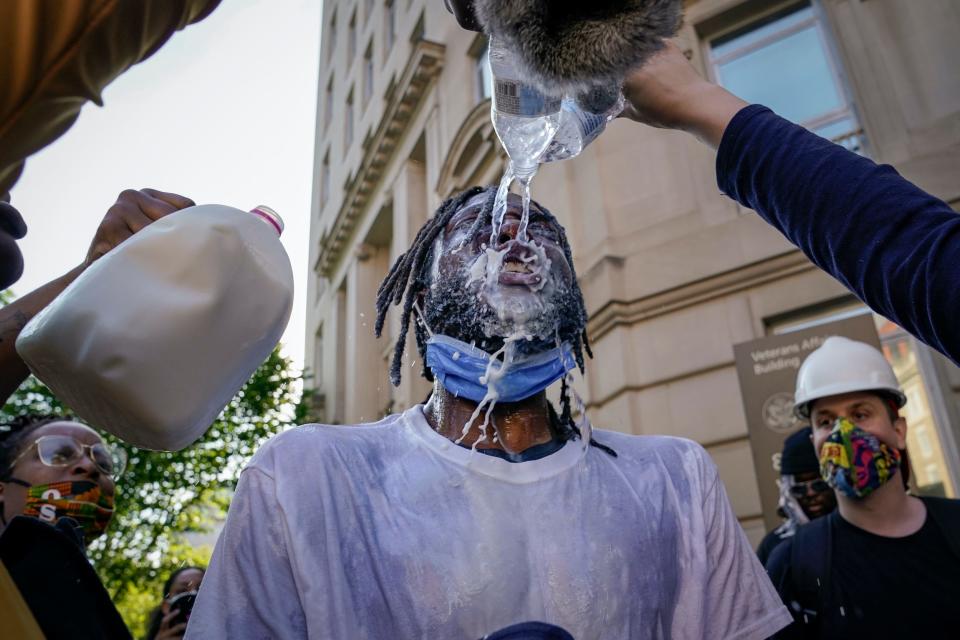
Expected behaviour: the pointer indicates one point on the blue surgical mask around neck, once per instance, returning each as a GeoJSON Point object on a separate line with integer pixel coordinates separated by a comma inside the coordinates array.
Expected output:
{"type": "Point", "coordinates": [462, 369]}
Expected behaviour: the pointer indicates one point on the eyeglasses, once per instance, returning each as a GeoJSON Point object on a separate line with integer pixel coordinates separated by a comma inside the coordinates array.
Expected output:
{"type": "Point", "coordinates": [802, 489]}
{"type": "Point", "coordinates": [62, 451]}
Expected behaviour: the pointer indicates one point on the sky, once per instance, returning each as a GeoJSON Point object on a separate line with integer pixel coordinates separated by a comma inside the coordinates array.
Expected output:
{"type": "Point", "coordinates": [223, 113]}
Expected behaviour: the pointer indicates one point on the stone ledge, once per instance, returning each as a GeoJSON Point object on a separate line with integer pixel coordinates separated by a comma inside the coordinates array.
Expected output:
{"type": "Point", "coordinates": [626, 312]}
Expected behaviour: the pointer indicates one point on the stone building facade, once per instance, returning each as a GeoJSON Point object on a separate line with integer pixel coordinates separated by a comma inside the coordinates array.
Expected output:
{"type": "Point", "coordinates": [674, 273]}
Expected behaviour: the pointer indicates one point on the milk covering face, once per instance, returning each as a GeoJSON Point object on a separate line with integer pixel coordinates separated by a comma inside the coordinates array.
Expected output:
{"type": "Point", "coordinates": [487, 295]}
{"type": "Point", "coordinates": [502, 310]}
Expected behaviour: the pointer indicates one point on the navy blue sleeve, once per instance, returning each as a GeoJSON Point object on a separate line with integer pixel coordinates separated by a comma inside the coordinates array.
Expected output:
{"type": "Point", "coordinates": [893, 245]}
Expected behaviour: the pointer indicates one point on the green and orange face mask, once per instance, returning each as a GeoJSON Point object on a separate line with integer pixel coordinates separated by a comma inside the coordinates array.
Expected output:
{"type": "Point", "coordinates": [81, 500]}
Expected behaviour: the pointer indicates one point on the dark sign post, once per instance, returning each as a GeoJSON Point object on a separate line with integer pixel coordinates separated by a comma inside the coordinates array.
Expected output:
{"type": "Point", "coordinates": [767, 370]}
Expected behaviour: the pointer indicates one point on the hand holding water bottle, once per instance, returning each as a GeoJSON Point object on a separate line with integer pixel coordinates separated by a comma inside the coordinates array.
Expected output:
{"type": "Point", "coordinates": [582, 120]}
{"type": "Point", "coordinates": [524, 117]}
{"type": "Point", "coordinates": [536, 127]}
{"type": "Point", "coordinates": [668, 93]}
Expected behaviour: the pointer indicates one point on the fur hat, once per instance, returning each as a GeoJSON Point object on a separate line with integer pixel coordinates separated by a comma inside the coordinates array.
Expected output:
{"type": "Point", "coordinates": [573, 47]}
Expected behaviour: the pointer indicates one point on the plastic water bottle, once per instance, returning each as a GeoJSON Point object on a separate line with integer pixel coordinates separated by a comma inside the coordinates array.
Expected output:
{"type": "Point", "coordinates": [582, 120]}
{"type": "Point", "coordinates": [524, 117]}
{"type": "Point", "coordinates": [155, 338]}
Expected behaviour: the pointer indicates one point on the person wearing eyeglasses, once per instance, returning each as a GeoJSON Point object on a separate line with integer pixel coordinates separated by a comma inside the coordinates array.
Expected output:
{"type": "Point", "coordinates": [59, 472]}
{"type": "Point", "coordinates": [804, 495]}
{"type": "Point", "coordinates": [53, 469]}
{"type": "Point", "coordinates": [57, 489]}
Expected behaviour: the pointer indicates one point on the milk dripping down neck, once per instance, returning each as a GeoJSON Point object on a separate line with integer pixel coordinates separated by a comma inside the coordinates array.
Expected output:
{"type": "Point", "coordinates": [269, 216]}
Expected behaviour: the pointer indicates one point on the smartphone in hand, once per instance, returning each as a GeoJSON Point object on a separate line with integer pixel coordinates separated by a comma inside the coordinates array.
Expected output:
{"type": "Point", "coordinates": [182, 603]}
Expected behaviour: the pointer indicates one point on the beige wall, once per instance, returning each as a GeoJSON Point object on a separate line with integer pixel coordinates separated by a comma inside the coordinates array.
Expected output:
{"type": "Point", "coordinates": [674, 274]}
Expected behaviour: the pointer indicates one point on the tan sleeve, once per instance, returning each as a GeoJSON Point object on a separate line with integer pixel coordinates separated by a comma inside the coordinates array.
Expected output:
{"type": "Point", "coordinates": [18, 621]}
{"type": "Point", "coordinates": [58, 55]}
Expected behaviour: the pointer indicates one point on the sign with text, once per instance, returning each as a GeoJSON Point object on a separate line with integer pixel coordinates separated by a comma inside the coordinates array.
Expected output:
{"type": "Point", "coordinates": [767, 370]}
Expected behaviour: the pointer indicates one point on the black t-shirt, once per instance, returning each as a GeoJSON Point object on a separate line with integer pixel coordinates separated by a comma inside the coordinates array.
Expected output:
{"type": "Point", "coordinates": [879, 587]}
{"type": "Point", "coordinates": [770, 542]}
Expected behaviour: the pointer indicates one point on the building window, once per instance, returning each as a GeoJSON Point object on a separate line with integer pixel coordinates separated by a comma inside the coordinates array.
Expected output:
{"type": "Point", "coordinates": [332, 36]}
{"type": "Point", "coordinates": [482, 74]}
{"type": "Point", "coordinates": [368, 74]}
{"type": "Point", "coordinates": [328, 104]}
{"type": "Point", "coordinates": [352, 38]}
{"type": "Point", "coordinates": [390, 28]}
{"type": "Point", "coordinates": [785, 61]}
{"type": "Point", "coordinates": [925, 433]}
{"type": "Point", "coordinates": [348, 124]}
{"type": "Point", "coordinates": [325, 179]}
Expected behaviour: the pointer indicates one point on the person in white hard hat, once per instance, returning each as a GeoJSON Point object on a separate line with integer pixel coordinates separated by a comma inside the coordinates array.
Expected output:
{"type": "Point", "coordinates": [882, 552]}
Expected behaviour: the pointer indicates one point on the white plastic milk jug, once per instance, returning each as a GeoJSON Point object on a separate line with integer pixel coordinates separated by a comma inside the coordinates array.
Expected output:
{"type": "Point", "coordinates": [155, 338]}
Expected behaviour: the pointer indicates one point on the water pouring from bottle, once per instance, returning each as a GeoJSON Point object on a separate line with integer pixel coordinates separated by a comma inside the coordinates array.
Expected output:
{"type": "Point", "coordinates": [526, 120]}
{"type": "Point", "coordinates": [533, 127]}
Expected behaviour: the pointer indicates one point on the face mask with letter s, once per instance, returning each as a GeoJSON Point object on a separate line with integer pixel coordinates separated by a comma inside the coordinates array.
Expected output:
{"type": "Point", "coordinates": [81, 500]}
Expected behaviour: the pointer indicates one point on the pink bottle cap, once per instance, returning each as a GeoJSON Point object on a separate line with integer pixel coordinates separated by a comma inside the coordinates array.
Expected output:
{"type": "Point", "coordinates": [270, 216]}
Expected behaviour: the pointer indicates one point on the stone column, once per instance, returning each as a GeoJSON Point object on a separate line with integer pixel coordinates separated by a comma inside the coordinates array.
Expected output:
{"type": "Point", "coordinates": [362, 351]}
{"type": "Point", "coordinates": [410, 210]}
{"type": "Point", "coordinates": [329, 381]}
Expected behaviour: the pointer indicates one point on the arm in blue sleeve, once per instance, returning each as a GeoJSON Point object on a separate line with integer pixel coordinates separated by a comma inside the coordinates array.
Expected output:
{"type": "Point", "coordinates": [893, 245]}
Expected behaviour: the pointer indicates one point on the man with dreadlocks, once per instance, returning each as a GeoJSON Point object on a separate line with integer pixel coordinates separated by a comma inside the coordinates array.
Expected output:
{"type": "Point", "coordinates": [484, 507]}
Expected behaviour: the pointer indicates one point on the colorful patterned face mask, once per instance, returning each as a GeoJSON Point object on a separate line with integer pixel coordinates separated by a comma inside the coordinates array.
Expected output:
{"type": "Point", "coordinates": [81, 500]}
{"type": "Point", "coordinates": [855, 462]}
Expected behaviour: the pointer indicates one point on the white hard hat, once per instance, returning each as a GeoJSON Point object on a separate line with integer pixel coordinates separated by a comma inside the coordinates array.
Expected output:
{"type": "Point", "coordinates": [841, 365]}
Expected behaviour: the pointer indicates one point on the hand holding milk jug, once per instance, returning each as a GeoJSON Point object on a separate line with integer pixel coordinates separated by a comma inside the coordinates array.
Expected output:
{"type": "Point", "coordinates": [155, 337]}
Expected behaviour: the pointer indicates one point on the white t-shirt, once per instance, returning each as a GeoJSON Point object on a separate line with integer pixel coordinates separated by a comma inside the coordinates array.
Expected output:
{"type": "Point", "coordinates": [389, 530]}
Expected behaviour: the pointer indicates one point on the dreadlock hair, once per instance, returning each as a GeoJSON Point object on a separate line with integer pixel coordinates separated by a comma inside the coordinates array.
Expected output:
{"type": "Point", "coordinates": [565, 424]}
{"type": "Point", "coordinates": [410, 276]}
{"type": "Point", "coordinates": [14, 433]}
{"type": "Point", "coordinates": [405, 276]}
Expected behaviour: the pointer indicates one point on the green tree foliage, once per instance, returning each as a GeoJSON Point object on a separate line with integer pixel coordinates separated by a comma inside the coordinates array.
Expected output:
{"type": "Point", "coordinates": [164, 496]}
